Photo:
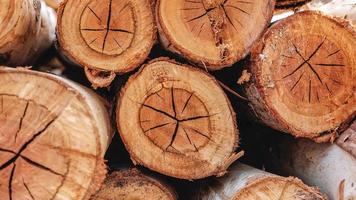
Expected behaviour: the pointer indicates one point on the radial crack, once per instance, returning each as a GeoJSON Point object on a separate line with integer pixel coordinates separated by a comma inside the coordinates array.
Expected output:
{"type": "Point", "coordinates": [21, 120]}
{"type": "Point", "coordinates": [28, 189]}
{"type": "Point", "coordinates": [173, 136]}
{"type": "Point", "coordinates": [155, 127]}
{"type": "Point", "coordinates": [40, 166]}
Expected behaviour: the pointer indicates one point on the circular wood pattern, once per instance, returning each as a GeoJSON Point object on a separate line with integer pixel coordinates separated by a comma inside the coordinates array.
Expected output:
{"type": "Point", "coordinates": [181, 123]}
{"type": "Point", "coordinates": [304, 76]}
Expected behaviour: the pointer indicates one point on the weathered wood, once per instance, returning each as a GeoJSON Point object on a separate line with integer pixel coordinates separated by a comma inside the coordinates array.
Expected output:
{"type": "Point", "coordinates": [243, 182]}
{"type": "Point", "coordinates": [106, 36]}
{"type": "Point", "coordinates": [212, 33]}
{"type": "Point", "coordinates": [176, 120]}
{"type": "Point", "coordinates": [133, 184]}
{"type": "Point", "coordinates": [302, 76]}
{"type": "Point", "coordinates": [327, 166]}
{"type": "Point", "coordinates": [53, 136]}
{"type": "Point", "coordinates": [27, 29]}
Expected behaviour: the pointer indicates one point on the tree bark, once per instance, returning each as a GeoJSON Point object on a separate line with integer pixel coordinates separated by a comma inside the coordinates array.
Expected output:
{"type": "Point", "coordinates": [27, 29]}
{"type": "Point", "coordinates": [327, 166]}
{"type": "Point", "coordinates": [302, 76]}
{"type": "Point", "coordinates": [106, 37]}
{"type": "Point", "coordinates": [283, 4]}
{"type": "Point", "coordinates": [247, 183]}
{"type": "Point", "coordinates": [176, 120]}
{"type": "Point", "coordinates": [212, 33]}
{"type": "Point", "coordinates": [133, 184]}
{"type": "Point", "coordinates": [53, 136]}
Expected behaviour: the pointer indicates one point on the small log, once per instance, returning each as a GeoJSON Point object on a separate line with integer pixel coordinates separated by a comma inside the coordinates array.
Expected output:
{"type": "Point", "coordinates": [302, 76]}
{"type": "Point", "coordinates": [347, 140]}
{"type": "Point", "coordinates": [243, 182]}
{"type": "Point", "coordinates": [212, 33]}
{"type": "Point", "coordinates": [176, 120]}
{"type": "Point", "coordinates": [27, 29]}
{"type": "Point", "coordinates": [106, 36]}
{"type": "Point", "coordinates": [327, 166]}
{"type": "Point", "coordinates": [133, 184]}
{"type": "Point", "coordinates": [53, 136]}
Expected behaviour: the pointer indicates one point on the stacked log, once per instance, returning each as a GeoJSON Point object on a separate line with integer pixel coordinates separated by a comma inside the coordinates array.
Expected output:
{"type": "Point", "coordinates": [133, 184]}
{"type": "Point", "coordinates": [176, 120]}
{"type": "Point", "coordinates": [302, 76]}
{"type": "Point", "coordinates": [106, 37]}
{"type": "Point", "coordinates": [223, 31]}
{"type": "Point", "coordinates": [27, 30]}
{"type": "Point", "coordinates": [53, 136]}
{"type": "Point", "coordinates": [247, 183]}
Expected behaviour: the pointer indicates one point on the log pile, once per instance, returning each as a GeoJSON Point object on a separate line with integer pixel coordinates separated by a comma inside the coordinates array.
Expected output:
{"type": "Point", "coordinates": [158, 99]}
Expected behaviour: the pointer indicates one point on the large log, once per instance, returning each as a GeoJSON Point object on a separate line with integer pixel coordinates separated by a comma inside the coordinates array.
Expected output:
{"type": "Point", "coordinates": [303, 79]}
{"type": "Point", "coordinates": [53, 135]}
{"type": "Point", "coordinates": [327, 166]}
{"type": "Point", "coordinates": [176, 120]}
{"type": "Point", "coordinates": [27, 29]}
{"type": "Point", "coordinates": [243, 182]}
{"type": "Point", "coordinates": [134, 185]}
{"type": "Point", "coordinates": [105, 36]}
{"type": "Point", "coordinates": [212, 33]}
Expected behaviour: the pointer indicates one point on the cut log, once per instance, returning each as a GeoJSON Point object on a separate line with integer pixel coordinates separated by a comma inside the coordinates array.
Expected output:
{"type": "Point", "coordinates": [106, 36]}
{"type": "Point", "coordinates": [176, 120]}
{"type": "Point", "coordinates": [53, 135]}
{"type": "Point", "coordinates": [347, 140]}
{"type": "Point", "coordinates": [247, 183]}
{"type": "Point", "coordinates": [134, 185]}
{"type": "Point", "coordinates": [326, 165]}
{"type": "Point", "coordinates": [27, 29]}
{"type": "Point", "coordinates": [302, 76]}
{"type": "Point", "coordinates": [212, 33]}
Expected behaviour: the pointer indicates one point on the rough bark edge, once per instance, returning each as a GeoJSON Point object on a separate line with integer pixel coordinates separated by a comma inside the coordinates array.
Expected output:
{"type": "Point", "coordinates": [221, 170]}
{"type": "Point", "coordinates": [294, 180]}
{"type": "Point", "coordinates": [61, 44]}
{"type": "Point", "coordinates": [181, 52]}
{"type": "Point", "coordinates": [282, 4]}
{"type": "Point", "coordinates": [268, 115]}
{"type": "Point", "coordinates": [100, 170]}
{"type": "Point", "coordinates": [347, 140]}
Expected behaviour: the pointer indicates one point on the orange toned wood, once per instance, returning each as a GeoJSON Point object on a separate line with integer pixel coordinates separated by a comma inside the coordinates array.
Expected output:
{"type": "Point", "coordinates": [53, 135]}
{"type": "Point", "coordinates": [290, 3]}
{"type": "Point", "coordinates": [133, 185]}
{"type": "Point", "coordinates": [53, 3]}
{"type": "Point", "coordinates": [176, 120]}
{"type": "Point", "coordinates": [109, 36]}
{"type": "Point", "coordinates": [246, 183]}
{"type": "Point", "coordinates": [215, 33]}
{"type": "Point", "coordinates": [303, 76]}
{"type": "Point", "coordinates": [27, 30]}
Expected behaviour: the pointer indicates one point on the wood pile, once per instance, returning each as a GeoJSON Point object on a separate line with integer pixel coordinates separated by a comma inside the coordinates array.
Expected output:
{"type": "Point", "coordinates": [177, 99]}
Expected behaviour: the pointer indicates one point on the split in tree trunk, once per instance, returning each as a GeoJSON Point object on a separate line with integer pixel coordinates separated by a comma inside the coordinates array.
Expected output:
{"type": "Point", "coordinates": [303, 79]}
{"type": "Point", "coordinates": [246, 183]}
{"type": "Point", "coordinates": [107, 36]}
{"type": "Point", "coordinates": [176, 120]}
{"type": "Point", "coordinates": [27, 29]}
{"type": "Point", "coordinates": [215, 33]}
{"type": "Point", "coordinates": [53, 135]}
{"type": "Point", "coordinates": [347, 140]}
{"type": "Point", "coordinates": [133, 185]}
{"type": "Point", "coordinates": [325, 165]}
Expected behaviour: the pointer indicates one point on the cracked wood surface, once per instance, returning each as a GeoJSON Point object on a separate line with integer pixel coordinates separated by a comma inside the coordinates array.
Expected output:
{"type": "Point", "coordinates": [181, 123]}
{"type": "Point", "coordinates": [220, 32]}
{"type": "Point", "coordinates": [303, 76]}
{"type": "Point", "coordinates": [106, 35]}
{"type": "Point", "coordinates": [49, 135]}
